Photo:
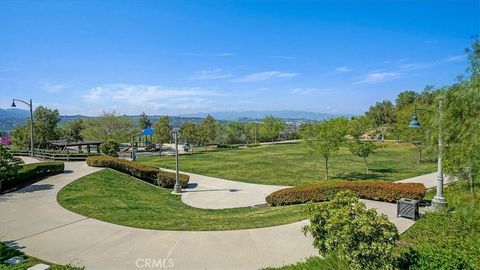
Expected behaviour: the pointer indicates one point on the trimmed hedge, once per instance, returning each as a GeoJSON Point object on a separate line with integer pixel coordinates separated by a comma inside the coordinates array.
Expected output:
{"type": "Point", "coordinates": [378, 191]}
{"type": "Point", "coordinates": [30, 172]}
{"type": "Point", "coordinates": [253, 144]}
{"type": "Point", "coordinates": [227, 146]}
{"type": "Point", "coordinates": [146, 173]}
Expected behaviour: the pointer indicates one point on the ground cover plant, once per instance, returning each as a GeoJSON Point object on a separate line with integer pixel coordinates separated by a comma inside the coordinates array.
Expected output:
{"type": "Point", "coordinates": [447, 239]}
{"type": "Point", "coordinates": [378, 191]}
{"type": "Point", "coordinates": [118, 198]}
{"type": "Point", "coordinates": [293, 164]}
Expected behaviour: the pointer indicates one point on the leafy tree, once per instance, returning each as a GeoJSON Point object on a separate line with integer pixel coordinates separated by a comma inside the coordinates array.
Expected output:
{"type": "Point", "coordinates": [72, 131]}
{"type": "Point", "coordinates": [108, 126]}
{"type": "Point", "coordinates": [235, 132]}
{"type": "Point", "coordinates": [9, 165]}
{"type": "Point", "coordinates": [366, 239]}
{"type": "Point", "coordinates": [358, 126]}
{"type": "Point", "coordinates": [44, 126]}
{"type": "Point", "coordinates": [251, 132]}
{"type": "Point", "coordinates": [208, 131]}
{"type": "Point", "coordinates": [363, 150]}
{"type": "Point", "coordinates": [162, 131]}
{"type": "Point", "coordinates": [405, 98]}
{"type": "Point", "coordinates": [325, 138]}
{"type": "Point", "coordinates": [144, 121]}
{"type": "Point", "coordinates": [110, 148]}
{"type": "Point", "coordinates": [271, 127]}
{"type": "Point", "coordinates": [382, 114]}
{"type": "Point", "coordinates": [462, 121]}
{"type": "Point", "coordinates": [190, 132]}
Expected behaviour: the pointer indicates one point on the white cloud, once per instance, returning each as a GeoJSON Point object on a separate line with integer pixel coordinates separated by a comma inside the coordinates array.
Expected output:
{"type": "Point", "coordinates": [378, 76]}
{"type": "Point", "coordinates": [456, 58]}
{"type": "Point", "coordinates": [132, 94]}
{"type": "Point", "coordinates": [266, 75]}
{"type": "Point", "coordinates": [213, 74]}
{"type": "Point", "coordinates": [306, 91]}
{"type": "Point", "coordinates": [343, 69]}
{"type": "Point", "coordinates": [55, 88]}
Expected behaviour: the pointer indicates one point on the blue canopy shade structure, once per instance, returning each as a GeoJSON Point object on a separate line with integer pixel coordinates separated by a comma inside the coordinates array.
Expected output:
{"type": "Point", "coordinates": [147, 131]}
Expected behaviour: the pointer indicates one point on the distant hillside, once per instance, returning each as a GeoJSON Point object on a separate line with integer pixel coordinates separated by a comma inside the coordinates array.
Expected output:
{"type": "Point", "coordinates": [10, 118]}
{"type": "Point", "coordinates": [260, 114]}
{"type": "Point", "coordinates": [14, 113]}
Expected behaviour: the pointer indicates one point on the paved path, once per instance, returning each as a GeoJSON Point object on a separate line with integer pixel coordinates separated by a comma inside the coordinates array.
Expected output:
{"type": "Point", "coordinates": [33, 219]}
{"type": "Point", "coordinates": [428, 180]}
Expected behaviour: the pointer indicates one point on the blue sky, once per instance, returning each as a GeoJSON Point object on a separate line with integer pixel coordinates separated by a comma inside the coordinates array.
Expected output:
{"type": "Point", "coordinates": [175, 57]}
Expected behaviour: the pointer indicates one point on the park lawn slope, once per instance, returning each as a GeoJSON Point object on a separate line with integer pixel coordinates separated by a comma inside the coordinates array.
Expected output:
{"type": "Point", "coordinates": [293, 164]}
{"type": "Point", "coordinates": [117, 198]}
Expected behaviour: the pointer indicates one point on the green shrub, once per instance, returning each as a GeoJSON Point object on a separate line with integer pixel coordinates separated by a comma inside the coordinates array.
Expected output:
{"type": "Point", "coordinates": [367, 240]}
{"type": "Point", "coordinates": [379, 191]}
{"type": "Point", "coordinates": [147, 173]}
{"type": "Point", "coordinates": [253, 144]}
{"type": "Point", "coordinates": [31, 172]}
{"type": "Point", "coordinates": [110, 148]}
{"type": "Point", "coordinates": [227, 146]}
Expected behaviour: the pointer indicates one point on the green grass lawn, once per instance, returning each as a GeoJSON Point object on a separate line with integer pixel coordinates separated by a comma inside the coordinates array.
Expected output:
{"type": "Point", "coordinates": [293, 164]}
{"type": "Point", "coordinates": [117, 198]}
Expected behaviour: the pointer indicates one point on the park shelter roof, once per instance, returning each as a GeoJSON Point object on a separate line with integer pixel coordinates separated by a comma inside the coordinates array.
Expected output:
{"type": "Point", "coordinates": [147, 131]}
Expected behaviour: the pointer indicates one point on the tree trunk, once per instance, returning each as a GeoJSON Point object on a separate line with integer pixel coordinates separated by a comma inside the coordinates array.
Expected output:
{"type": "Point", "coordinates": [383, 136]}
{"type": "Point", "coordinates": [160, 149]}
{"type": "Point", "coordinates": [326, 169]}
{"type": "Point", "coordinates": [366, 164]}
{"type": "Point", "coordinates": [419, 156]}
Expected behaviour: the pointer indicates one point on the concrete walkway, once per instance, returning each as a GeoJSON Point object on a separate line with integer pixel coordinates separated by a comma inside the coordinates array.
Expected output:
{"type": "Point", "coordinates": [31, 218]}
{"type": "Point", "coordinates": [428, 180]}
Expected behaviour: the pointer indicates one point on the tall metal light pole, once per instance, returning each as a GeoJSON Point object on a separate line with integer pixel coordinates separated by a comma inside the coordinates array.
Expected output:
{"type": "Point", "coordinates": [439, 200]}
{"type": "Point", "coordinates": [178, 187]}
{"type": "Point", "coordinates": [29, 104]}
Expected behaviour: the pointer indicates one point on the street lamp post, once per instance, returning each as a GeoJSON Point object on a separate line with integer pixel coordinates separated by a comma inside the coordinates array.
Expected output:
{"type": "Point", "coordinates": [439, 200]}
{"type": "Point", "coordinates": [29, 104]}
{"type": "Point", "coordinates": [178, 187]}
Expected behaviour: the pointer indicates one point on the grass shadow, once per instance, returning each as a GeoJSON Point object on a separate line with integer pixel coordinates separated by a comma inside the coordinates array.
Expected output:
{"type": "Point", "coordinates": [357, 176]}
{"type": "Point", "coordinates": [384, 170]}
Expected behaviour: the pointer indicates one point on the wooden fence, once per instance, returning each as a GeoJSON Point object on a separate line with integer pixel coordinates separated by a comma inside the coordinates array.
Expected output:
{"type": "Point", "coordinates": [54, 154]}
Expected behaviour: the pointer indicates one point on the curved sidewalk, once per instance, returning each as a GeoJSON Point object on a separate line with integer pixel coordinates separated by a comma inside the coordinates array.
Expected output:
{"type": "Point", "coordinates": [32, 219]}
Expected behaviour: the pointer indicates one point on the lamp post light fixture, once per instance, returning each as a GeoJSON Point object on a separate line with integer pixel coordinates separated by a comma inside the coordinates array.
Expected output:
{"type": "Point", "coordinates": [29, 104]}
{"type": "Point", "coordinates": [439, 200]}
{"type": "Point", "coordinates": [178, 187]}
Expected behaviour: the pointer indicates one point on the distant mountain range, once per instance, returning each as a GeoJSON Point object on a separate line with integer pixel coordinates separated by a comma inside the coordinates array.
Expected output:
{"type": "Point", "coordinates": [9, 118]}
{"type": "Point", "coordinates": [260, 114]}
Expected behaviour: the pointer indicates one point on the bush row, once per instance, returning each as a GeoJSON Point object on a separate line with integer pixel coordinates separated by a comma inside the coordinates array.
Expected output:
{"type": "Point", "coordinates": [378, 191]}
{"type": "Point", "coordinates": [253, 144]}
{"type": "Point", "coordinates": [30, 172]}
{"type": "Point", "coordinates": [227, 146]}
{"type": "Point", "coordinates": [147, 173]}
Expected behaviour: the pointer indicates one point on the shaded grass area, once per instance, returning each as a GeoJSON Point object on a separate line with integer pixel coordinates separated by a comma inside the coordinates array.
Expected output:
{"type": "Point", "coordinates": [117, 198]}
{"type": "Point", "coordinates": [294, 164]}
